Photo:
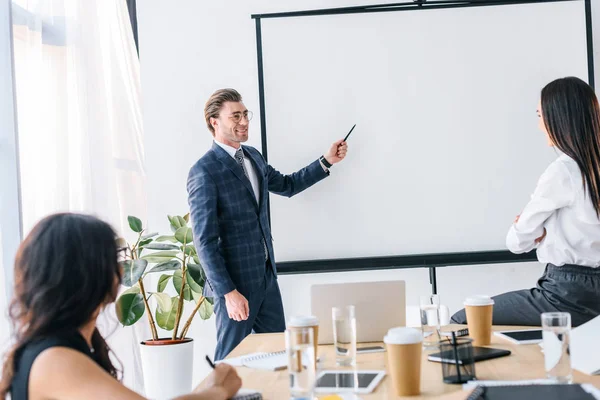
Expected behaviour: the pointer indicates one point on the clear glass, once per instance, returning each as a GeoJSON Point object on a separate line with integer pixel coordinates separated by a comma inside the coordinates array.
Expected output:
{"type": "Point", "coordinates": [344, 335]}
{"type": "Point", "coordinates": [430, 321]}
{"type": "Point", "coordinates": [461, 350]}
{"type": "Point", "coordinates": [299, 345]}
{"type": "Point", "coordinates": [556, 333]}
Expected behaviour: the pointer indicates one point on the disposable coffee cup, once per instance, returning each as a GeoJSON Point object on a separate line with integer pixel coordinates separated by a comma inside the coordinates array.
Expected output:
{"type": "Point", "coordinates": [404, 351]}
{"type": "Point", "coordinates": [312, 322]}
{"type": "Point", "coordinates": [479, 310]}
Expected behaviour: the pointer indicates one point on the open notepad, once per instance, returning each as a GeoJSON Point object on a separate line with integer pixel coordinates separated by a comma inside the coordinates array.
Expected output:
{"type": "Point", "coordinates": [274, 361]}
{"type": "Point", "coordinates": [270, 361]}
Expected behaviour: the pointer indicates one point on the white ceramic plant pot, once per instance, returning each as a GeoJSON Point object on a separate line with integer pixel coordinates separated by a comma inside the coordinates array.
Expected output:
{"type": "Point", "coordinates": [168, 368]}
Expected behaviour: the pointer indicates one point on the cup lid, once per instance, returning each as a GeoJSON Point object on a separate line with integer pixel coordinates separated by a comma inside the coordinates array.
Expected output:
{"type": "Point", "coordinates": [479, 300]}
{"type": "Point", "coordinates": [402, 335]}
{"type": "Point", "coordinates": [303, 320]}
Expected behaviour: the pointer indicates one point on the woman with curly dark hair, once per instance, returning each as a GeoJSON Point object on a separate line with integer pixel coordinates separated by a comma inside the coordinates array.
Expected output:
{"type": "Point", "coordinates": [66, 272]}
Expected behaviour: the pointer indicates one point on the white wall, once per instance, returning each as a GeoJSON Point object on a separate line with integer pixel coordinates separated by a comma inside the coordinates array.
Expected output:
{"type": "Point", "coordinates": [190, 48]}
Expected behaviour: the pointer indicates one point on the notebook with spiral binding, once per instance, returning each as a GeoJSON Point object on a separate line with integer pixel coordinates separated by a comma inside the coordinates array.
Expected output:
{"type": "Point", "coordinates": [274, 361]}
{"type": "Point", "coordinates": [528, 392]}
{"type": "Point", "coordinates": [247, 394]}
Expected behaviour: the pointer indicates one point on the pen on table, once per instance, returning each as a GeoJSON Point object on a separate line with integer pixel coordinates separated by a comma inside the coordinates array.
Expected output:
{"type": "Point", "coordinates": [209, 361]}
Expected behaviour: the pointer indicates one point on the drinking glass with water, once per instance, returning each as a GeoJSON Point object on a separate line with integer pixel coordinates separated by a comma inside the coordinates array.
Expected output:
{"type": "Point", "coordinates": [344, 335]}
{"type": "Point", "coordinates": [430, 320]}
{"type": "Point", "coordinates": [556, 335]}
{"type": "Point", "coordinates": [299, 345]}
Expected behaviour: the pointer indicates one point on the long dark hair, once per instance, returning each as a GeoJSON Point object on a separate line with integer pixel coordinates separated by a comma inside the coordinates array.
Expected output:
{"type": "Point", "coordinates": [64, 271]}
{"type": "Point", "coordinates": [572, 118]}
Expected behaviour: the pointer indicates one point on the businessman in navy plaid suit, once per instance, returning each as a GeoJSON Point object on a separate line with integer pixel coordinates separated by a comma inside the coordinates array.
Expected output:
{"type": "Point", "coordinates": [228, 190]}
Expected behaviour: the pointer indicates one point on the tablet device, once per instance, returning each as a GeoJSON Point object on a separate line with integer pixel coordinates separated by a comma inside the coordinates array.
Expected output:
{"type": "Point", "coordinates": [348, 381]}
{"type": "Point", "coordinates": [529, 336]}
{"type": "Point", "coordinates": [479, 354]}
{"type": "Point", "coordinates": [370, 349]}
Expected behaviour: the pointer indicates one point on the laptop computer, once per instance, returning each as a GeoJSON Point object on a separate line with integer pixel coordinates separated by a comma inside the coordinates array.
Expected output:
{"type": "Point", "coordinates": [379, 306]}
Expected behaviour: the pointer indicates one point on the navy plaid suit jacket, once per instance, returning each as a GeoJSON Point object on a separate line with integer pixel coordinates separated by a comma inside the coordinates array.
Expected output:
{"type": "Point", "coordinates": [229, 225]}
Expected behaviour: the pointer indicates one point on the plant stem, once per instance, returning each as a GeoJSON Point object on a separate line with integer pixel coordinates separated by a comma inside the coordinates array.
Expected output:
{"type": "Point", "coordinates": [186, 327]}
{"type": "Point", "coordinates": [143, 293]}
{"type": "Point", "coordinates": [148, 312]}
{"type": "Point", "coordinates": [181, 296]}
{"type": "Point", "coordinates": [137, 242]}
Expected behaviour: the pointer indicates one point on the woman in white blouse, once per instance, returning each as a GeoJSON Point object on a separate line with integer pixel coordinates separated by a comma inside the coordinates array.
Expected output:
{"type": "Point", "coordinates": [562, 219]}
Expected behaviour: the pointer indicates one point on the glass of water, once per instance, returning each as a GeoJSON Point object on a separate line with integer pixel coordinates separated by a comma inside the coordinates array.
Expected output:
{"type": "Point", "coordinates": [430, 320]}
{"type": "Point", "coordinates": [344, 335]}
{"type": "Point", "coordinates": [299, 345]}
{"type": "Point", "coordinates": [556, 332]}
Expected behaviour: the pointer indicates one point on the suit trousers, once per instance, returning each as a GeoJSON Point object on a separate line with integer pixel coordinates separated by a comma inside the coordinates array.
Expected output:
{"type": "Point", "coordinates": [266, 316]}
{"type": "Point", "coordinates": [569, 288]}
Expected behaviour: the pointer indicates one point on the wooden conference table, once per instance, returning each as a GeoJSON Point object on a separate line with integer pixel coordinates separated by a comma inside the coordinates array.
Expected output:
{"type": "Point", "coordinates": [525, 362]}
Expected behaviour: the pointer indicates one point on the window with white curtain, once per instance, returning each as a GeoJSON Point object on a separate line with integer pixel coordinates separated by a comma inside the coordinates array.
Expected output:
{"type": "Point", "coordinates": [79, 123]}
{"type": "Point", "coordinates": [10, 233]}
{"type": "Point", "coordinates": [78, 101]}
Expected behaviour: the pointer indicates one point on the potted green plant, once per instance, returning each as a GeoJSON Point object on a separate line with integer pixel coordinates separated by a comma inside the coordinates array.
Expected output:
{"type": "Point", "coordinates": [175, 257]}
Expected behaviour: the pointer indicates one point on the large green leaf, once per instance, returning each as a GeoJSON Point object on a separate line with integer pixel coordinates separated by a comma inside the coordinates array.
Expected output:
{"type": "Point", "coordinates": [177, 280]}
{"type": "Point", "coordinates": [211, 300]}
{"type": "Point", "coordinates": [133, 271]}
{"type": "Point", "coordinates": [184, 235]}
{"type": "Point", "coordinates": [145, 242]}
{"type": "Point", "coordinates": [130, 308]}
{"type": "Point", "coordinates": [166, 320]}
{"type": "Point", "coordinates": [135, 224]}
{"type": "Point", "coordinates": [161, 246]}
{"type": "Point", "coordinates": [197, 297]}
{"type": "Point", "coordinates": [196, 277]}
{"type": "Point", "coordinates": [163, 301]}
{"type": "Point", "coordinates": [166, 266]}
{"type": "Point", "coordinates": [165, 253]}
{"type": "Point", "coordinates": [134, 289]}
{"type": "Point", "coordinates": [160, 256]}
{"type": "Point", "coordinates": [162, 282]}
{"type": "Point", "coordinates": [206, 310]}
{"type": "Point", "coordinates": [176, 222]}
{"type": "Point", "coordinates": [166, 238]}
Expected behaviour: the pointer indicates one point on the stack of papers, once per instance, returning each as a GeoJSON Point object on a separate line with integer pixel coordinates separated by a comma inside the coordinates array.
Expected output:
{"type": "Point", "coordinates": [584, 349]}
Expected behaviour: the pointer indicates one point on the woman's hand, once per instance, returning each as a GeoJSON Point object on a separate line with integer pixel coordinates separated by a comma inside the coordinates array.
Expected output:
{"type": "Point", "coordinates": [539, 240]}
{"type": "Point", "coordinates": [223, 380]}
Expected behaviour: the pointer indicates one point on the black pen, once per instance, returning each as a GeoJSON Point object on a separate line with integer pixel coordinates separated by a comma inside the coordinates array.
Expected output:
{"type": "Point", "coordinates": [346, 138]}
{"type": "Point", "coordinates": [209, 361]}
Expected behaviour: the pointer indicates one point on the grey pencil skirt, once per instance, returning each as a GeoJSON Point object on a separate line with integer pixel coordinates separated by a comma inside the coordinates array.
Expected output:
{"type": "Point", "coordinates": [568, 288]}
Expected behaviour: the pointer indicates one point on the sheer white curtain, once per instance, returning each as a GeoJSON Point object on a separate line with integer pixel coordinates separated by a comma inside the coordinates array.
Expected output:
{"type": "Point", "coordinates": [79, 122]}
{"type": "Point", "coordinates": [4, 323]}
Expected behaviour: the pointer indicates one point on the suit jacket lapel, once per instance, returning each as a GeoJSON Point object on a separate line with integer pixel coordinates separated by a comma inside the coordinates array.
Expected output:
{"type": "Point", "coordinates": [259, 175]}
{"type": "Point", "coordinates": [234, 167]}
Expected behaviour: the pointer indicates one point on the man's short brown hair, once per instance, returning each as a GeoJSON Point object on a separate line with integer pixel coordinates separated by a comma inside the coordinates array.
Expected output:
{"type": "Point", "coordinates": [215, 104]}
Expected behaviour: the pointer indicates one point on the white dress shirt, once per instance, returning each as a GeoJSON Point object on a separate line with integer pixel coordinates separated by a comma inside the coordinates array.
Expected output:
{"type": "Point", "coordinates": [249, 168]}
{"type": "Point", "coordinates": [562, 206]}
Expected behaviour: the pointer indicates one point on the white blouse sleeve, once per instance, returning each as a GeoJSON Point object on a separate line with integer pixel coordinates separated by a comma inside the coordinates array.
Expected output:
{"type": "Point", "coordinates": [553, 191]}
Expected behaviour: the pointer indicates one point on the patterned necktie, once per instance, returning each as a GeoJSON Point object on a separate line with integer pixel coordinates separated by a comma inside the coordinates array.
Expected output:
{"type": "Point", "coordinates": [239, 157]}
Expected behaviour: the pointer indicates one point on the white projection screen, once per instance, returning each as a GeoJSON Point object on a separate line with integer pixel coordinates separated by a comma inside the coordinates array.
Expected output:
{"type": "Point", "coordinates": [446, 149]}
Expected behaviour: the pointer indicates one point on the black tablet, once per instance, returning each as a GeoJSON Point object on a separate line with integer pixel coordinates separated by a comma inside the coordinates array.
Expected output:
{"type": "Point", "coordinates": [479, 354]}
{"type": "Point", "coordinates": [528, 336]}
